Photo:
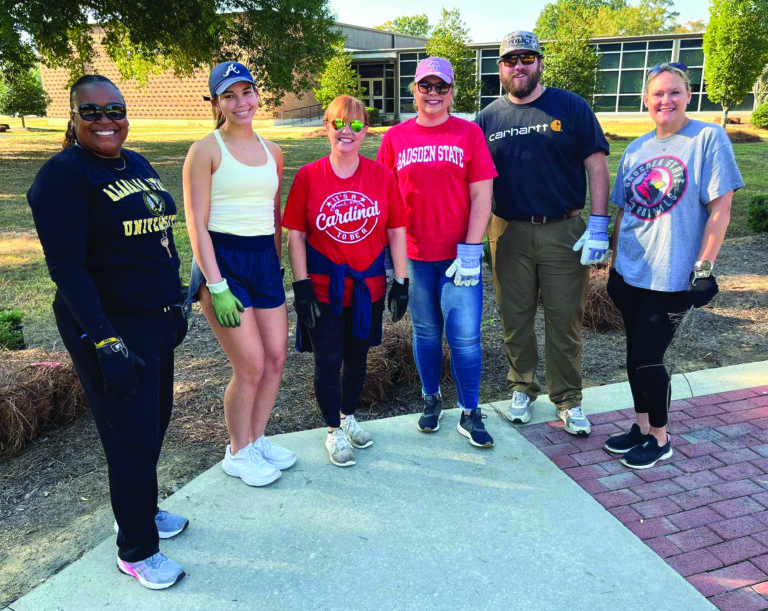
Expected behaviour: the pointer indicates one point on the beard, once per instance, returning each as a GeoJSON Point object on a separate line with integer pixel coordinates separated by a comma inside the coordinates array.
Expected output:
{"type": "Point", "coordinates": [522, 89]}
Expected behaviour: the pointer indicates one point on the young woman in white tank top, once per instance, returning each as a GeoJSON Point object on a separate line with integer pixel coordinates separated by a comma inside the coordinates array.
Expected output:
{"type": "Point", "coordinates": [232, 181]}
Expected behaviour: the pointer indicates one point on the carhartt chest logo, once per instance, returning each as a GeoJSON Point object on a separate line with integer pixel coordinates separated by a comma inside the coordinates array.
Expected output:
{"type": "Point", "coordinates": [154, 203]}
{"type": "Point", "coordinates": [654, 187]}
{"type": "Point", "coordinates": [230, 69]}
{"type": "Point", "coordinates": [348, 216]}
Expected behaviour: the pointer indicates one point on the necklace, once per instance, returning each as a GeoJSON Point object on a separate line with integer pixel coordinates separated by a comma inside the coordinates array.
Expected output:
{"type": "Point", "coordinates": [125, 163]}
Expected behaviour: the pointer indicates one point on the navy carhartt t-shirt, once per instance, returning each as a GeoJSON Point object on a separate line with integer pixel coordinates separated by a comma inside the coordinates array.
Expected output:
{"type": "Point", "coordinates": [539, 150]}
{"type": "Point", "coordinates": [101, 223]}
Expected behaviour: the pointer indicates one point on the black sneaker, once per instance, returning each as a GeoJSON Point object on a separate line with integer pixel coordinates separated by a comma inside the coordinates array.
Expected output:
{"type": "Point", "coordinates": [431, 414]}
{"type": "Point", "coordinates": [471, 426]}
{"type": "Point", "coordinates": [621, 444]}
{"type": "Point", "coordinates": [647, 454]}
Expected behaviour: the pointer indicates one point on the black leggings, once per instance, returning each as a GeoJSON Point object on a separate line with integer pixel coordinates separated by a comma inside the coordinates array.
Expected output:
{"type": "Point", "coordinates": [334, 345]}
{"type": "Point", "coordinates": [650, 322]}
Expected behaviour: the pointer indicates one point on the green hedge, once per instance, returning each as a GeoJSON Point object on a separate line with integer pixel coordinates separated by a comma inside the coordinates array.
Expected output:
{"type": "Point", "coordinates": [373, 115]}
{"type": "Point", "coordinates": [760, 116]}
{"type": "Point", "coordinates": [12, 329]}
{"type": "Point", "coordinates": [757, 213]}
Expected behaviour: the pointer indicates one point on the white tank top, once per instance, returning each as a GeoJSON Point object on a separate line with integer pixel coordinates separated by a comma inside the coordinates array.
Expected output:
{"type": "Point", "coordinates": [243, 196]}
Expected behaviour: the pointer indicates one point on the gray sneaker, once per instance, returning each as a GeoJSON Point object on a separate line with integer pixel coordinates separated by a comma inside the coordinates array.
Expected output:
{"type": "Point", "coordinates": [339, 450]}
{"type": "Point", "coordinates": [576, 422]}
{"type": "Point", "coordinates": [355, 433]}
{"type": "Point", "coordinates": [156, 572]}
{"type": "Point", "coordinates": [519, 409]}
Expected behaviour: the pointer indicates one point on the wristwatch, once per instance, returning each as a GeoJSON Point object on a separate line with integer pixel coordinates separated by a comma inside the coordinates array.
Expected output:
{"type": "Point", "coordinates": [702, 269]}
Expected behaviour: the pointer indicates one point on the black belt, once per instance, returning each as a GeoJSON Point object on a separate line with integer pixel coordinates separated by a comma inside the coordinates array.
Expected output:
{"type": "Point", "coordinates": [540, 219]}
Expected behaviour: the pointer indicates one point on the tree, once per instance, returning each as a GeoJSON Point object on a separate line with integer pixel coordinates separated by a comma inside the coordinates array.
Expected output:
{"type": "Point", "coordinates": [760, 88]}
{"type": "Point", "coordinates": [22, 94]}
{"type": "Point", "coordinates": [571, 62]}
{"type": "Point", "coordinates": [610, 17]}
{"type": "Point", "coordinates": [284, 42]}
{"type": "Point", "coordinates": [338, 78]}
{"type": "Point", "coordinates": [450, 39]}
{"type": "Point", "coordinates": [697, 25]}
{"type": "Point", "coordinates": [736, 50]}
{"type": "Point", "coordinates": [413, 25]}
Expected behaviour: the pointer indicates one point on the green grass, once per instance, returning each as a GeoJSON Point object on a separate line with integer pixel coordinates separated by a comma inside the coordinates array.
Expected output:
{"type": "Point", "coordinates": [24, 281]}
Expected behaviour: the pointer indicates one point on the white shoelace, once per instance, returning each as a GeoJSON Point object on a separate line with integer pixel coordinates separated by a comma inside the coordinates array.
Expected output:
{"type": "Point", "coordinates": [519, 399]}
{"type": "Point", "coordinates": [339, 440]}
{"type": "Point", "coordinates": [576, 412]}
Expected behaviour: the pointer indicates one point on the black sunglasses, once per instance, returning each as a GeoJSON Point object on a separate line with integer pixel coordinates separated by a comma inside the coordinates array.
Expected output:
{"type": "Point", "coordinates": [93, 112]}
{"type": "Point", "coordinates": [510, 61]}
{"type": "Point", "coordinates": [677, 65]}
{"type": "Point", "coordinates": [440, 87]}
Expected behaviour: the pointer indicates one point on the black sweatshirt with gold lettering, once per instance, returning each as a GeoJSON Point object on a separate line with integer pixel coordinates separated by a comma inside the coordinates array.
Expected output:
{"type": "Point", "coordinates": [106, 230]}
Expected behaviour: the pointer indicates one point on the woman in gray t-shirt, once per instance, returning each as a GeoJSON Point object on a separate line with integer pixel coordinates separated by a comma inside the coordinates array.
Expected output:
{"type": "Point", "coordinates": [674, 189]}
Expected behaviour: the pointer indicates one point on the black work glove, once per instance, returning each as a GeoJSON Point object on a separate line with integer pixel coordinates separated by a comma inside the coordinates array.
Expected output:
{"type": "Point", "coordinates": [701, 290]}
{"type": "Point", "coordinates": [397, 300]}
{"type": "Point", "coordinates": [613, 286]}
{"type": "Point", "coordinates": [305, 302]}
{"type": "Point", "coordinates": [120, 368]}
{"type": "Point", "coordinates": [181, 312]}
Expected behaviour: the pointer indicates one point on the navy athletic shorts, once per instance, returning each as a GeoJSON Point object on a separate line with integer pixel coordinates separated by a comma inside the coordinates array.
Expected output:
{"type": "Point", "coordinates": [250, 266]}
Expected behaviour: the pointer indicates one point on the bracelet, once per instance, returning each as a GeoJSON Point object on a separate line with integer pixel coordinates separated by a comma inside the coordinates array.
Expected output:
{"type": "Point", "coordinates": [109, 340]}
{"type": "Point", "coordinates": [218, 287]}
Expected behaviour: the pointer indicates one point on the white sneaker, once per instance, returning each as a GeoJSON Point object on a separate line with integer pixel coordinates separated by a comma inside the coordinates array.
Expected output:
{"type": "Point", "coordinates": [249, 466]}
{"type": "Point", "coordinates": [355, 433]}
{"type": "Point", "coordinates": [339, 450]}
{"type": "Point", "coordinates": [576, 422]}
{"type": "Point", "coordinates": [519, 409]}
{"type": "Point", "coordinates": [275, 455]}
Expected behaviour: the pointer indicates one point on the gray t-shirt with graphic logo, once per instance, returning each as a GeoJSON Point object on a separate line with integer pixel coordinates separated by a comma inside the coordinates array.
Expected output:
{"type": "Point", "coordinates": [664, 186]}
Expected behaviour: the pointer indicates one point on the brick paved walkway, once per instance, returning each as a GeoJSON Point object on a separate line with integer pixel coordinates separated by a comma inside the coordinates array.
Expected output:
{"type": "Point", "coordinates": [705, 510]}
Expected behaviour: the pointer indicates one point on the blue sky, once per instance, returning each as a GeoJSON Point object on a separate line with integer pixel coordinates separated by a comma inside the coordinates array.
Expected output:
{"type": "Point", "coordinates": [488, 20]}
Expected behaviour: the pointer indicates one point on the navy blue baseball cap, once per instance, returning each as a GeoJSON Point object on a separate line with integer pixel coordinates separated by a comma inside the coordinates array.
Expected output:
{"type": "Point", "coordinates": [226, 74]}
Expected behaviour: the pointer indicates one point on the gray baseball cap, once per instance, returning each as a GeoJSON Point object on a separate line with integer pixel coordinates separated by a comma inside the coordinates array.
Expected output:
{"type": "Point", "coordinates": [519, 40]}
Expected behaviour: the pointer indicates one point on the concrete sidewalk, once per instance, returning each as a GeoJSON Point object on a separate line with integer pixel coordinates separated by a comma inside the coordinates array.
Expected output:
{"type": "Point", "coordinates": [422, 521]}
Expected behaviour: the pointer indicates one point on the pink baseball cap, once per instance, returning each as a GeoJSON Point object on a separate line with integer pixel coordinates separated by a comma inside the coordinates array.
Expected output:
{"type": "Point", "coordinates": [435, 66]}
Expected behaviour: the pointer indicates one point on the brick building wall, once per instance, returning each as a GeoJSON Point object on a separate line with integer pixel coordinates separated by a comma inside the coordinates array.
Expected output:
{"type": "Point", "coordinates": [165, 96]}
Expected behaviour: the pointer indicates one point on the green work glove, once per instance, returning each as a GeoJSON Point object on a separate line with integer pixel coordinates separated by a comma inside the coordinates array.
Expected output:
{"type": "Point", "coordinates": [225, 305]}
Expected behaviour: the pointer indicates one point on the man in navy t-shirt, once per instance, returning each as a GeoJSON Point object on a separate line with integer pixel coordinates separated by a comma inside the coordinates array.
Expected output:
{"type": "Point", "coordinates": [548, 148]}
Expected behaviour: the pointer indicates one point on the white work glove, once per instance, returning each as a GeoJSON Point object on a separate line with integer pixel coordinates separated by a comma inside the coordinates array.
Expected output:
{"type": "Point", "coordinates": [466, 267]}
{"type": "Point", "coordinates": [594, 243]}
{"type": "Point", "coordinates": [389, 268]}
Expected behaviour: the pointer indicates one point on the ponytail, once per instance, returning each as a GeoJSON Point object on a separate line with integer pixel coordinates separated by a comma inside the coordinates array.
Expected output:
{"type": "Point", "coordinates": [69, 135]}
{"type": "Point", "coordinates": [83, 81]}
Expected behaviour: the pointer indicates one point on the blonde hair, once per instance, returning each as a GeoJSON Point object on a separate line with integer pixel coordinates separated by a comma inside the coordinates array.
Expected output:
{"type": "Point", "coordinates": [661, 68]}
{"type": "Point", "coordinates": [347, 108]}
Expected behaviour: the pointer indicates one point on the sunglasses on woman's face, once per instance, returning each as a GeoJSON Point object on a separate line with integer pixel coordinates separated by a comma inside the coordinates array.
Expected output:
{"type": "Point", "coordinates": [355, 125]}
{"type": "Point", "coordinates": [657, 69]}
{"type": "Point", "coordinates": [510, 61]}
{"type": "Point", "coordinates": [93, 112]}
{"type": "Point", "coordinates": [440, 87]}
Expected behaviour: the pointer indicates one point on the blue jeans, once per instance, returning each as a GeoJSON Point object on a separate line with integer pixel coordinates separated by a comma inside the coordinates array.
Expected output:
{"type": "Point", "coordinates": [436, 304]}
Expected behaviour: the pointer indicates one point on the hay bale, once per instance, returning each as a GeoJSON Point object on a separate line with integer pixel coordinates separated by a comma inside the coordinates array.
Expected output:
{"type": "Point", "coordinates": [600, 313]}
{"type": "Point", "coordinates": [39, 389]}
{"type": "Point", "coordinates": [392, 364]}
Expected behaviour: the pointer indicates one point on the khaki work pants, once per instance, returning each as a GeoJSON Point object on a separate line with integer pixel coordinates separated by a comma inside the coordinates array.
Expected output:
{"type": "Point", "coordinates": [529, 261]}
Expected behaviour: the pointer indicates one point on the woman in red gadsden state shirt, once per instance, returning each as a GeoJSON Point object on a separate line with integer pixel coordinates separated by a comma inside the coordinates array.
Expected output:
{"type": "Point", "coordinates": [445, 172]}
{"type": "Point", "coordinates": [341, 212]}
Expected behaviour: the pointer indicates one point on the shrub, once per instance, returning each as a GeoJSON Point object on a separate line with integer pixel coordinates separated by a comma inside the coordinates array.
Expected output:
{"type": "Point", "coordinates": [374, 116]}
{"type": "Point", "coordinates": [757, 212]}
{"type": "Point", "coordinates": [12, 329]}
{"type": "Point", "coordinates": [760, 116]}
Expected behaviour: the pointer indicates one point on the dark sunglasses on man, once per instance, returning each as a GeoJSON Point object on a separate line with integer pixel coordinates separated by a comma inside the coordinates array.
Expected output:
{"type": "Point", "coordinates": [440, 87]}
{"type": "Point", "coordinates": [510, 61]}
{"type": "Point", "coordinates": [93, 112]}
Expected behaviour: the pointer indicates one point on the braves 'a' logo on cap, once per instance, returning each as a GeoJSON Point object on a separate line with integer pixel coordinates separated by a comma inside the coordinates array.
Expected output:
{"type": "Point", "coordinates": [654, 187]}
{"type": "Point", "coordinates": [231, 68]}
